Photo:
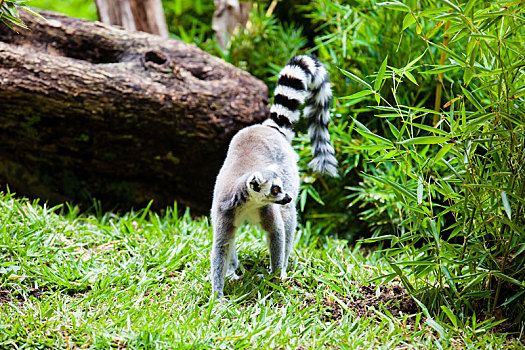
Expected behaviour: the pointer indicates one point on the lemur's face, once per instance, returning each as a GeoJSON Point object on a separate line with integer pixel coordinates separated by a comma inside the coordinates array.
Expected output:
{"type": "Point", "coordinates": [267, 191]}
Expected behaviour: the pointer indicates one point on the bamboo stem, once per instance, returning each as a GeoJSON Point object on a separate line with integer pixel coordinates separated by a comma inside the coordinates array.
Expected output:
{"type": "Point", "coordinates": [439, 87]}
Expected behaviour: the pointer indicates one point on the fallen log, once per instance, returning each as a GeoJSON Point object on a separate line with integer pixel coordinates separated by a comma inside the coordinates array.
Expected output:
{"type": "Point", "coordinates": [92, 111]}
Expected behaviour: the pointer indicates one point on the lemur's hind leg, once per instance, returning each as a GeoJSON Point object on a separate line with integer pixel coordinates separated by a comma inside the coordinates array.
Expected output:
{"type": "Point", "coordinates": [222, 250]}
{"type": "Point", "coordinates": [234, 262]}
{"type": "Point", "coordinates": [272, 223]}
{"type": "Point", "coordinates": [289, 216]}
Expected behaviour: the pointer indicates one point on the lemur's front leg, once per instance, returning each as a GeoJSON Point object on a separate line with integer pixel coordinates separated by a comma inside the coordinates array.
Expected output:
{"type": "Point", "coordinates": [221, 252]}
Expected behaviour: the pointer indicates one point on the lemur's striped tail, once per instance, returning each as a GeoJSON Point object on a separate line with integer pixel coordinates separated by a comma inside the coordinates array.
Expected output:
{"type": "Point", "coordinates": [305, 80]}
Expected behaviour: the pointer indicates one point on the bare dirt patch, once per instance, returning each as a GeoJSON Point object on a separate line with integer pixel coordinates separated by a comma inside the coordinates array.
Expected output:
{"type": "Point", "coordinates": [5, 296]}
{"type": "Point", "coordinates": [393, 298]}
{"type": "Point", "coordinates": [12, 296]}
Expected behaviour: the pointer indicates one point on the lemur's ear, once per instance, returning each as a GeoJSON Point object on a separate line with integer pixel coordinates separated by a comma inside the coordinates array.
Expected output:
{"type": "Point", "coordinates": [255, 181]}
{"type": "Point", "coordinates": [255, 185]}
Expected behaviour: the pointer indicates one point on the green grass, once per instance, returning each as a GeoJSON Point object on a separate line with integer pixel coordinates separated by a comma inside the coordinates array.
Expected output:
{"type": "Point", "coordinates": [140, 281]}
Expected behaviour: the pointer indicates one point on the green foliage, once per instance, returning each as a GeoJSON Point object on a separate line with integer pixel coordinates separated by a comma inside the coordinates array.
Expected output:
{"type": "Point", "coordinates": [190, 21]}
{"type": "Point", "coordinates": [139, 281]}
{"type": "Point", "coordinates": [264, 46]}
{"type": "Point", "coordinates": [9, 13]}
{"type": "Point", "coordinates": [353, 39]}
{"type": "Point", "coordinates": [76, 8]}
{"type": "Point", "coordinates": [456, 174]}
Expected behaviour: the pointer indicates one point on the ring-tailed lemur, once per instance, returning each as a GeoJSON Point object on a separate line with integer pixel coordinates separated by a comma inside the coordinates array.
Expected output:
{"type": "Point", "coordinates": [259, 180]}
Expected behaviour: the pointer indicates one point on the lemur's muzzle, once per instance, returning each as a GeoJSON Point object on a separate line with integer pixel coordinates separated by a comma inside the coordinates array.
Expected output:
{"type": "Point", "coordinates": [287, 199]}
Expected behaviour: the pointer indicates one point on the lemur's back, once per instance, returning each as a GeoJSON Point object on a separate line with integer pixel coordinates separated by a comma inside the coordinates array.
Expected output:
{"type": "Point", "coordinates": [258, 146]}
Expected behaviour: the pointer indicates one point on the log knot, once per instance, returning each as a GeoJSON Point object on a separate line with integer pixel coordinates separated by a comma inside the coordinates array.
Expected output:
{"type": "Point", "coordinates": [155, 57]}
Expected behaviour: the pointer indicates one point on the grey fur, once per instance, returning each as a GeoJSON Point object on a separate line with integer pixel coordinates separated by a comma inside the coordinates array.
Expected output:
{"type": "Point", "coordinates": [259, 180]}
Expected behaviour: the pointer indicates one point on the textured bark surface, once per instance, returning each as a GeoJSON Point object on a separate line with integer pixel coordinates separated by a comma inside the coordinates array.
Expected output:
{"type": "Point", "coordinates": [144, 15]}
{"type": "Point", "coordinates": [88, 110]}
{"type": "Point", "coordinates": [227, 16]}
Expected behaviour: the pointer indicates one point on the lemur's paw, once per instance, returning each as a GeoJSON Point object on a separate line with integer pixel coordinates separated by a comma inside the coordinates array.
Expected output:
{"type": "Point", "coordinates": [255, 181]}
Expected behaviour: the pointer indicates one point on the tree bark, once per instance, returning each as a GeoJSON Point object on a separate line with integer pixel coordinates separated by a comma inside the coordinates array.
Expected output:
{"type": "Point", "coordinates": [144, 15]}
{"type": "Point", "coordinates": [227, 16]}
{"type": "Point", "coordinates": [88, 110]}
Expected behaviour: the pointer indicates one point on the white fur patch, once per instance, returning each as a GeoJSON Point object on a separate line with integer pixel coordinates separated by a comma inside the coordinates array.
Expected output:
{"type": "Point", "coordinates": [309, 62]}
{"type": "Point", "coordinates": [319, 76]}
{"type": "Point", "coordinates": [323, 147]}
{"type": "Point", "coordinates": [308, 112]}
{"type": "Point", "coordinates": [324, 95]}
{"type": "Point", "coordinates": [270, 122]}
{"type": "Point", "coordinates": [318, 132]}
{"type": "Point", "coordinates": [273, 167]}
{"type": "Point", "coordinates": [248, 212]}
{"type": "Point", "coordinates": [291, 93]}
{"type": "Point", "coordinates": [322, 116]}
{"type": "Point", "coordinates": [288, 133]}
{"type": "Point", "coordinates": [293, 116]}
{"type": "Point", "coordinates": [295, 72]}
{"type": "Point", "coordinates": [322, 165]}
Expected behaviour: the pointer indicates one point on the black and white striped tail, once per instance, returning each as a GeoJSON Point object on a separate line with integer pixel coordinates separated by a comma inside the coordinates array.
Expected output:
{"type": "Point", "coordinates": [305, 80]}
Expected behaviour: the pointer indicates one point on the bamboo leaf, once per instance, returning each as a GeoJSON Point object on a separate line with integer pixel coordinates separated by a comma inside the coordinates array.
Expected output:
{"type": "Point", "coordinates": [419, 190]}
{"type": "Point", "coordinates": [357, 95]}
{"type": "Point", "coordinates": [449, 277]}
{"type": "Point", "coordinates": [472, 99]}
{"type": "Point", "coordinates": [512, 298]}
{"type": "Point", "coordinates": [363, 130]}
{"type": "Point", "coordinates": [303, 196]}
{"type": "Point", "coordinates": [371, 147]}
{"type": "Point", "coordinates": [469, 7]}
{"type": "Point", "coordinates": [435, 233]}
{"type": "Point", "coordinates": [459, 59]}
{"type": "Point", "coordinates": [458, 175]}
{"type": "Point", "coordinates": [424, 140]}
{"type": "Point", "coordinates": [394, 5]}
{"type": "Point", "coordinates": [442, 69]}
{"type": "Point", "coordinates": [408, 20]}
{"type": "Point", "coordinates": [393, 129]}
{"type": "Point", "coordinates": [396, 187]}
{"type": "Point", "coordinates": [452, 5]}
{"type": "Point", "coordinates": [436, 326]}
{"type": "Point", "coordinates": [356, 78]}
{"type": "Point", "coordinates": [29, 10]}
{"type": "Point", "coordinates": [477, 123]}
{"type": "Point", "coordinates": [414, 61]}
{"type": "Point", "coordinates": [428, 128]}
{"type": "Point", "coordinates": [450, 316]}
{"type": "Point", "coordinates": [315, 195]}
{"type": "Point", "coordinates": [444, 150]}
{"type": "Point", "coordinates": [467, 76]}
{"type": "Point", "coordinates": [390, 155]}
{"type": "Point", "coordinates": [508, 278]}
{"type": "Point", "coordinates": [411, 77]}
{"type": "Point", "coordinates": [506, 205]}
{"type": "Point", "coordinates": [380, 75]}
{"type": "Point", "coordinates": [431, 12]}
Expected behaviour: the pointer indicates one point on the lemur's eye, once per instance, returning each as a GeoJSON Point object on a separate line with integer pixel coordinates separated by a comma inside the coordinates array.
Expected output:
{"type": "Point", "coordinates": [275, 190]}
